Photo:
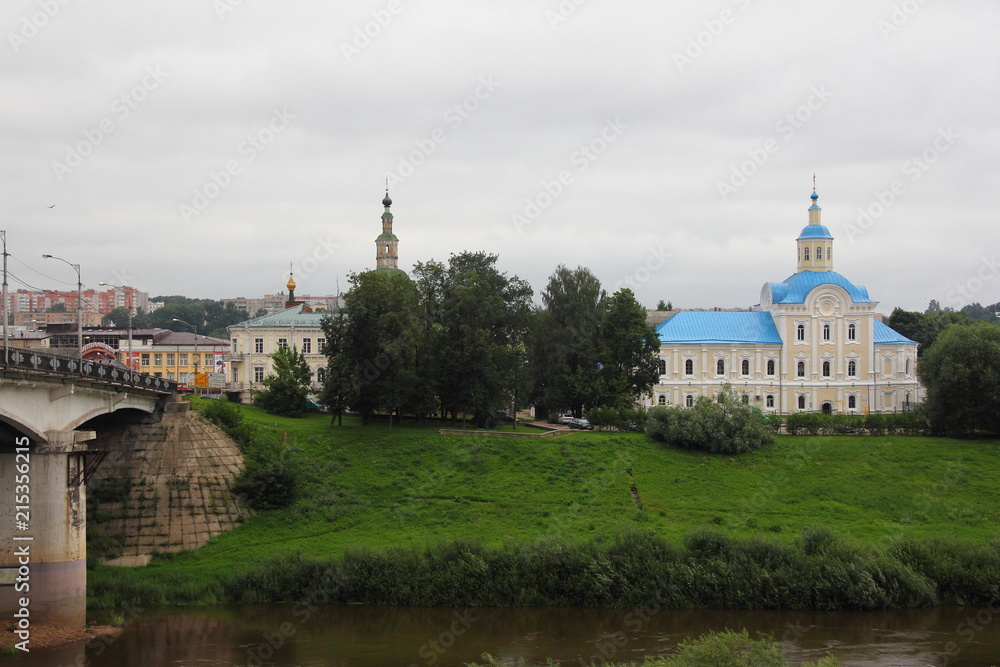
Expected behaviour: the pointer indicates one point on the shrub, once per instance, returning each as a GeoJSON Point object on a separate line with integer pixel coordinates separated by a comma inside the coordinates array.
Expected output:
{"type": "Point", "coordinates": [722, 426]}
{"type": "Point", "coordinates": [267, 486]}
{"type": "Point", "coordinates": [222, 413]}
{"type": "Point", "coordinates": [619, 419]}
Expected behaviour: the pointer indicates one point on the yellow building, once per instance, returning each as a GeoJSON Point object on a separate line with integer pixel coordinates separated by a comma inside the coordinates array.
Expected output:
{"type": "Point", "coordinates": [814, 343]}
{"type": "Point", "coordinates": [178, 355]}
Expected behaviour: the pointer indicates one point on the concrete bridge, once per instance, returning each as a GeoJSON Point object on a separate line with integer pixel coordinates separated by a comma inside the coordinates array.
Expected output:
{"type": "Point", "coordinates": [53, 411]}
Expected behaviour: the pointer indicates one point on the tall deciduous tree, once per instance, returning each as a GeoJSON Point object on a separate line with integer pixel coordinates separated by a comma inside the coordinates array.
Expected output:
{"type": "Point", "coordinates": [484, 318]}
{"type": "Point", "coordinates": [286, 389]}
{"type": "Point", "coordinates": [961, 371]}
{"type": "Point", "coordinates": [629, 351]}
{"type": "Point", "coordinates": [337, 385]}
{"type": "Point", "coordinates": [925, 327]}
{"type": "Point", "coordinates": [565, 342]}
{"type": "Point", "coordinates": [379, 344]}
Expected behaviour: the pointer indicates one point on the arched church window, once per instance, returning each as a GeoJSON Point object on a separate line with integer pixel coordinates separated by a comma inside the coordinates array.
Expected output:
{"type": "Point", "coordinates": [852, 402]}
{"type": "Point", "coordinates": [662, 400]}
{"type": "Point", "coordinates": [689, 401]}
{"type": "Point", "coordinates": [770, 366]}
{"type": "Point", "coordinates": [805, 254]}
{"type": "Point", "coordinates": [907, 366]}
{"type": "Point", "coordinates": [769, 402]}
{"type": "Point", "coordinates": [852, 332]}
{"type": "Point", "coordinates": [800, 332]}
{"type": "Point", "coordinates": [802, 402]}
{"type": "Point", "coordinates": [800, 369]}
{"type": "Point", "coordinates": [829, 254]}
{"type": "Point", "coordinates": [745, 367]}
{"type": "Point", "coordinates": [689, 367]}
{"type": "Point", "coordinates": [819, 253]}
{"type": "Point", "coordinates": [662, 366]}
{"type": "Point", "coordinates": [720, 367]}
{"type": "Point", "coordinates": [826, 332]}
{"type": "Point", "coordinates": [852, 368]}
{"type": "Point", "coordinates": [826, 369]}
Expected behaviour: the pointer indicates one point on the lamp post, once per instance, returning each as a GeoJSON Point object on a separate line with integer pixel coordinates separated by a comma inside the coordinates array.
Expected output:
{"type": "Point", "coordinates": [129, 293]}
{"type": "Point", "coordinates": [194, 330]}
{"type": "Point", "coordinates": [79, 307]}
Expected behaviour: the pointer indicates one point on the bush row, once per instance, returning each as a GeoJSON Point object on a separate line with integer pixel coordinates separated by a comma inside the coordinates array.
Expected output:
{"type": "Point", "coordinates": [710, 570]}
{"type": "Point", "coordinates": [723, 425]}
{"type": "Point", "coordinates": [901, 423]}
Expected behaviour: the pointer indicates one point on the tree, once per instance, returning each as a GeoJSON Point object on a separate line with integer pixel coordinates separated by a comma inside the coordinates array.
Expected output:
{"type": "Point", "coordinates": [484, 317]}
{"type": "Point", "coordinates": [337, 386]}
{"type": "Point", "coordinates": [379, 344]}
{"type": "Point", "coordinates": [629, 352]}
{"type": "Point", "coordinates": [565, 348]}
{"type": "Point", "coordinates": [961, 371]}
{"type": "Point", "coordinates": [287, 388]}
{"type": "Point", "coordinates": [59, 307]}
{"type": "Point", "coordinates": [925, 327]}
{"type": "Point", "coordinates": [118, 317]}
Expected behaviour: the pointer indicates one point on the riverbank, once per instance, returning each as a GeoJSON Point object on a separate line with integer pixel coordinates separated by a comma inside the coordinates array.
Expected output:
{"type": "Point", "coordinates": [44, 636]}
{"type": "Point", "coordinates": [369, 497]}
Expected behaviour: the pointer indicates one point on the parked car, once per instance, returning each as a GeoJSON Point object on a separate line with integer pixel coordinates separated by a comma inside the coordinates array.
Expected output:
{"type": "Point", "coordinates": [581, 424]}
{"type": "Point", "coordinates": [565, 419]}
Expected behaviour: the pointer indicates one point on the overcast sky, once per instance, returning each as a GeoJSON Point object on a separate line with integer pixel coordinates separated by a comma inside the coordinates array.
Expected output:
{"type": "Point", "coordinates": [199, 147]}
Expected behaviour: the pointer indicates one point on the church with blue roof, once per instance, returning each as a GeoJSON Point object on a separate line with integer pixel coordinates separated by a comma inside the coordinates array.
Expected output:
{"type": "Point", "coordinates": [814, 343]}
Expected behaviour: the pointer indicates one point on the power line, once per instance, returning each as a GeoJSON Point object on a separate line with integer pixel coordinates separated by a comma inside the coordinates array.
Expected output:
{"type": "Point", "coordinates": [64, 282]}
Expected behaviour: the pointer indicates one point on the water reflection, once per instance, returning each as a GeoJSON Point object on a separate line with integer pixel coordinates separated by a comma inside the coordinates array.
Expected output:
{"type": "Point", "coordinates": [286, 636]}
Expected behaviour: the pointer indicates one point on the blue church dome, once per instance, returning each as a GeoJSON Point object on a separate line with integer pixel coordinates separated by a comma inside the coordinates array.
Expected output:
{"type": "Point", "coordinates": [797, 287]}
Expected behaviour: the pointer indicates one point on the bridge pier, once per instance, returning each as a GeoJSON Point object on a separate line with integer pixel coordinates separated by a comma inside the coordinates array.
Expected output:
{"type": "Point", "coordinates": [43, 541]}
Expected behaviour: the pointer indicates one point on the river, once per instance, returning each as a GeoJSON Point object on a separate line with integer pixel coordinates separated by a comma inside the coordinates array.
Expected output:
{"type": "Point", "coordinates": [356, 636]}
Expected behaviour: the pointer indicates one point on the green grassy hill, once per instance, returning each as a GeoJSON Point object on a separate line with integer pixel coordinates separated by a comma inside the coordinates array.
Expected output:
{"type": "Point", "coordinates": [375, 488]}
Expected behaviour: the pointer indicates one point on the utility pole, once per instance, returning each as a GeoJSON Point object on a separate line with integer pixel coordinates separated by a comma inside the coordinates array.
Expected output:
{"type": "Point", "coordinates": [6, 300]}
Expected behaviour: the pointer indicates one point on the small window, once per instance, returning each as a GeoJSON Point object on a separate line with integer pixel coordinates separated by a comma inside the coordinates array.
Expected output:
{"type": "Point", "coordinates": [852, 402]}
{"type": "Point", "coordinates": [662, 366]}
{"type": "Point", "coordinates": [258, 373]}
{"type": "Point", "coordinates": [157, 359]}
{"type": "Point", "coordinates": [826, 332]}
{"type": "Point", "coordinates": [745, 367]}
{"type": "Point", "coordinates": [805, 254]}
{"type": "Point", "coordinates": [852, 368]}
{"type": "Point", "coordinates": [746, 399]}
{"type": "Point", "coordinates": [145, 360]}
{"type": "Point", "coordinates": [819, 253]}
{"type": "Point", "coordinates": [770, 366]}
{"type": "Point", "coordinates": [829, 254]}
{"type": "Point", "coordinates": [307, 346]}
{"type": "Point", "coordinates": [321, 375]}
{"type": "Point", "coordinates": [826, 369]}
{"type": "Point", "coordinates": [852, 332]}
{"type": "Point", "coordinates": [800, 369]}
{"type": "Point", "coordinates": [769, 401]}
{"type": "Point", "coordinates": [689, 367]}
{"type": "Point", "coordinates": [170, 359]}
{"type": "Point", "coordinates": [282, 342]}
{"type": "Point", "coordinates": [689, 401]}
{"type": "Point", "coordinates": [320, 343]}
{"type": "Point", "coordinates": [662, 400]}
{"type": "Point", "coordinates": [907, 366]}
{"type": "Point", "coordinates": [258, 345]}
{"type": "Point", "coordinates": [802, 402]}
{"type": "Point", "coordinates": [183, 361]}
{"type": "Point", "coordinates": [800, 332]}
{"type": "Point", "coordinates": [720, 367]}
{"type": "Point", "coordinates": [235, 346]}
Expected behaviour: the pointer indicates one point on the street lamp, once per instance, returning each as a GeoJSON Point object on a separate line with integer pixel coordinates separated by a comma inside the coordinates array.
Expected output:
{"type": "Point", "coordinates": [194, 330]}
{"type": "Point", "coordinates": [129, 363]}
{"type": "Point", "coordinates": [79, 306]}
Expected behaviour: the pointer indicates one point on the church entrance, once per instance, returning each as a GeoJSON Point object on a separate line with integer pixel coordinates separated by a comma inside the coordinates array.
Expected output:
{"type": "Point", "coordinates": [827, 408]}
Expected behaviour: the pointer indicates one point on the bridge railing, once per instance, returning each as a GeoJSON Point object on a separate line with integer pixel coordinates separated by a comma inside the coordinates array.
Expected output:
{"type": "Point", "coordinates": [40, 362]}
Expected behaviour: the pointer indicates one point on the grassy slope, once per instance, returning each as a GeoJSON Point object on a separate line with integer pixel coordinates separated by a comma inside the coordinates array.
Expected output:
{"type": "Point", "coordinates": [370, 487]}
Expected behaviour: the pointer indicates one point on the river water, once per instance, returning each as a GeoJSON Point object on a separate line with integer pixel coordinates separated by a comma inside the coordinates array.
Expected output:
{"type": "Point", "coordinates": [355, 636]}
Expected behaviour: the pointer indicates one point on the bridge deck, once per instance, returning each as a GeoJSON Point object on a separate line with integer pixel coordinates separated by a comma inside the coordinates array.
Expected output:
{"type": "Point", "coordinates": [33, 361]}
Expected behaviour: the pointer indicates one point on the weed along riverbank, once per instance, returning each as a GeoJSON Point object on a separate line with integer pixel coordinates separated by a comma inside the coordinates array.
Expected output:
{"type": "Point", "coordinates": [414, 517]}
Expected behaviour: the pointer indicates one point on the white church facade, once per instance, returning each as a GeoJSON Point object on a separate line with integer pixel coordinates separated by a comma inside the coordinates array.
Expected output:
{"type": "Point", "coordinates": [814, 343]}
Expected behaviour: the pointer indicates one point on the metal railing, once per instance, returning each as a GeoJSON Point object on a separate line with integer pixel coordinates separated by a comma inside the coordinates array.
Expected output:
{"type": "Point", "coordinates": [39, 362]}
